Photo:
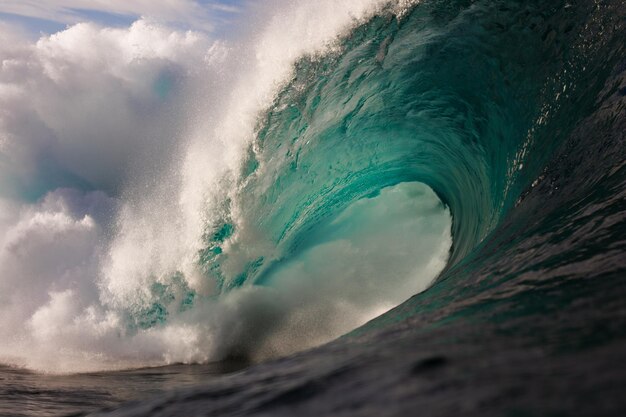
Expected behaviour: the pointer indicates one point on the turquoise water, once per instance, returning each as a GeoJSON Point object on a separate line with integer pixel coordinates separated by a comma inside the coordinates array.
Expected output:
{"type": "Point", "coordinates": [438, 96]}
{"type": "Point", "coordinates": [471, 99]}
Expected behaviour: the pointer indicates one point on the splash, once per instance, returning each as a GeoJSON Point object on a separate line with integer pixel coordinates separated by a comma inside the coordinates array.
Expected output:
{"type": "Point", "coordinates": [130, 162]}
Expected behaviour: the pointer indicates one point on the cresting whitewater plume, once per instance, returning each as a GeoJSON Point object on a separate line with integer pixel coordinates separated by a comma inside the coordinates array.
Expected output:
{"type": "Point", "coordinates": [138, 244]}
{"type": "Point", "coordinates": [379, 207]}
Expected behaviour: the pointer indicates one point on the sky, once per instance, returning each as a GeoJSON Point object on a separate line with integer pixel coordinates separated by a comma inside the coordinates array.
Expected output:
{"type": "Point", "coordinates": [39, 17]}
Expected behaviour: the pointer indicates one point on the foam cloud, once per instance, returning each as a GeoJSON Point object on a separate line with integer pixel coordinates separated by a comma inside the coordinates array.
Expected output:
{"type": "Point", "coordinates": [83, 107]}
{"type": "Point", "coordinates": [116, 147]}
{"type": "Point", "coordinates": [83, 113]}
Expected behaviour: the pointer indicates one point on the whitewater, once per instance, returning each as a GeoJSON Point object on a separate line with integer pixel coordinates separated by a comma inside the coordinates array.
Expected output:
{"type": "Point", "coordinates": [105, 238]}
{"type": "Point", "coordinates": [346, 204]}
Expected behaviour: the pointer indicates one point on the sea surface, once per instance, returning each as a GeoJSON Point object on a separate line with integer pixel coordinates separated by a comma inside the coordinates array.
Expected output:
{"type": "Point", "coordinates": [27, 393]}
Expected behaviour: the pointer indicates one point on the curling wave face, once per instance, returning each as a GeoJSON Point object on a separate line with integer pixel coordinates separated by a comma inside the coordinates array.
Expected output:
{"type": "Point", "coordinates": [357, 155]}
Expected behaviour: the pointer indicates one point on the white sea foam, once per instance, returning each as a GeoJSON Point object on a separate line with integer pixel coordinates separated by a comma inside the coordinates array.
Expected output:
{"type": "Point", "coordinates": [115, 144]}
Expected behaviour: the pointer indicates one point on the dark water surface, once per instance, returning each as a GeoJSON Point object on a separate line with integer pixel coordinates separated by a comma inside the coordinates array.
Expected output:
{"type": "Point", "coordinates": [25, 393]}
